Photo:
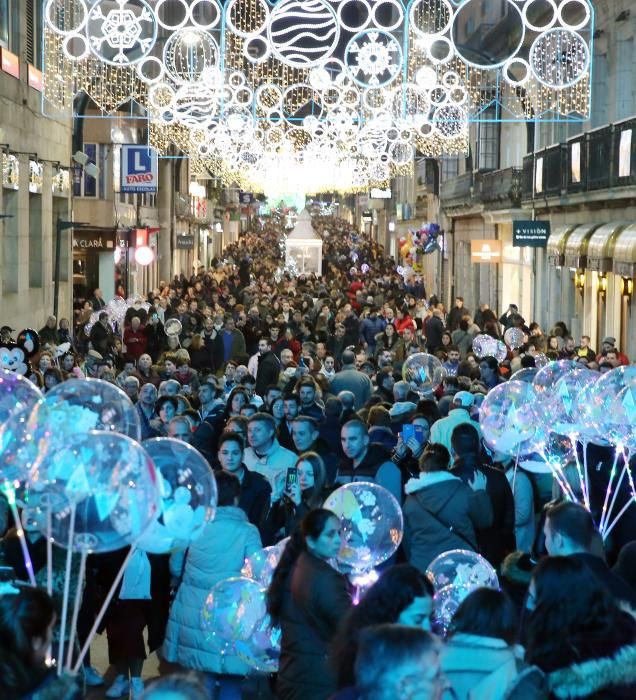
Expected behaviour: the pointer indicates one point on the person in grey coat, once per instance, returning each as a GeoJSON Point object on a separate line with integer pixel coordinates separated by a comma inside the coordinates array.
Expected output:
{"type": "Point", "coordinates": [219, 553]}
{"type": "Point", "coordinates": [440, 511]}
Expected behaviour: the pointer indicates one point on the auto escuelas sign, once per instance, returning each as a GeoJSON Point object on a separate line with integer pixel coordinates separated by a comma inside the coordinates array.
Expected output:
{"type": "Point", "coordinates": [139, 168]}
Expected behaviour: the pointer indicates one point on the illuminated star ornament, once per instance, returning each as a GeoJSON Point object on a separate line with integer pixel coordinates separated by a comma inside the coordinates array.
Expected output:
{"type": "Point", "coordinates": [318, 95]}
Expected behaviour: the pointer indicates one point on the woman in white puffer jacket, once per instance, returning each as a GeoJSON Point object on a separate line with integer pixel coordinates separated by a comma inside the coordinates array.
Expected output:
{"type": "Point", "coordinates": [219, 553]}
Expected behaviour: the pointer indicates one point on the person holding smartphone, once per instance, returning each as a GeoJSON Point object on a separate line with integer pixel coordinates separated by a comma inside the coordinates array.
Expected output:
{"type": "Point", "coordinates": [303, 492]}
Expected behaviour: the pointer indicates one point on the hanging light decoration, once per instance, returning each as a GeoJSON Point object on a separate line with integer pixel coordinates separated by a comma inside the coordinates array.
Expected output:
{"type": "Point", "coordinates": [320, 95]}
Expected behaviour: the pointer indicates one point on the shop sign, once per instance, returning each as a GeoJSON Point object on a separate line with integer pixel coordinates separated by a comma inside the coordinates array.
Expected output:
{"type": "Point", "coordinates": [35, 78]}
{"type": "Point", "coordinates": [199, 207]}
{"type": "Point", "coordinates": [10, 171]}
{"type": "Point", "coordinates": [61, 183]}
{"type": "Point", "coordinates": [485, 251]}
{"type": "Point", "coordinates": [530, 234]}
{"type": "Point", "coordinates": [367, 216]}
{"type": "Point", "coordinates": [246, 197]}
{"type": "Point", "coordinates": [85, 239]}
{"type": "Point", "coordinates": [139, 168]}
{"type": "Point", "coordinates": [10, 63]}
{"type": "Point", "coordinates": [36, 172]}
{"type": "Point", "coordinates": [380, 193]}
{"type": "Point", "coordinates": [185, 242]}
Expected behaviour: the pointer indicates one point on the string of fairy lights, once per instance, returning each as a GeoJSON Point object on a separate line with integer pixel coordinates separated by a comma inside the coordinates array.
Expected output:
{"type": "Point", "coordinates": [319, 95]}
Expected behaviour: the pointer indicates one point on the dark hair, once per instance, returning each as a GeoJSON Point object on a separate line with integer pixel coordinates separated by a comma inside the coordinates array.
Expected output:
{"type": "Point", "coordinates": [574, 522]}
{"type": "Point", "coordinates": [387, 598]}
{"type": "Point", "coordinates": [166, 399]}
{"type": "Point", "coordinates": [241, 420]}
{"type": "Point", "coordinates": [348, 357]}
{"type": "Point", "coordinates": [228, 487]}
{"type": "Point", "coordinates": [465, 440]}
{"type": "Point", "coordinates": [333, 407]}
{"type": "Point", "coordinates": [312, 526]}
{"type": "Point", "coordinates": [571, 607]}
{"type": "Point", "coordinates": [528, 361]}
{"type": "Point", "coordinates": [429, 409]}
{"type": "Point", "coordinates": [235, 391]}
{"type": "Point", "coordinates": [491, 362]}
{"type": "Point", "coordinates": [486, 612]}
{"type": "Point", "coordinates": [435, 458]}
{"type": "Point", "coordinates": [24, 616]}
{"type": "Point", "coordinates": [385, 650]}
{"type": "Point", "coordinates": [231, 436]}
{"type": "Point", "coordinates": [320, 477]}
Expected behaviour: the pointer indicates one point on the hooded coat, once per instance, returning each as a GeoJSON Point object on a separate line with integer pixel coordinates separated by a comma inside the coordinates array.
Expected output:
{"type": "Point", "coordinates": [441, 513]}
{"type": "Point", "coordinates": [219, 553]}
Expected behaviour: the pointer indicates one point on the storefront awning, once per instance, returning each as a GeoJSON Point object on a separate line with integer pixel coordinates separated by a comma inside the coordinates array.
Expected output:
{"type": "Point", "coordinates": [625, 253]}
{"type": "Point", "coordinates": [556, 244]}
{"type": "Point", "coordinates": [600, 249]}
{"type": "Point", "coordinates": [576, 246]}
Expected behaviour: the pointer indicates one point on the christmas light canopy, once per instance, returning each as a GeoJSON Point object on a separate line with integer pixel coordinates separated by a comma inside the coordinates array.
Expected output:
{"type": "Point", "coordinates": [329, 94]}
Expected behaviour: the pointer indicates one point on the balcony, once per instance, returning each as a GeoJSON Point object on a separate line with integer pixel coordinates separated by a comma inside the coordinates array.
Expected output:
{"type": "Point", "coordinates": [501, 189]}
{"type": "Point", "coordinates": [457, 192]}
{"type": "Point", "coordinates": [588, 165]}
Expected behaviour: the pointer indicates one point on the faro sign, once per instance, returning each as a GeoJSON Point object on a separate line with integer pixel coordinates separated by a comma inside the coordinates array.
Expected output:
{"type": "Point", "coordinates": [139, 168]}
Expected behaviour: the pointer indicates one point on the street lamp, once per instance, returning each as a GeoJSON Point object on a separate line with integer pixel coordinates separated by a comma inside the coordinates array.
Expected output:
{"type": "Point", "coordinates": [61, 226]}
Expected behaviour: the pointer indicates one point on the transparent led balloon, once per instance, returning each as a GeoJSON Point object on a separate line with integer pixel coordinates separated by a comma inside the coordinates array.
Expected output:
{"type": "Point", "coordinates": [461, 567]}
{"type": "Point", "coordinates": [610, 399]}
{"type": "Point", "coordinates": [525, 374]}
{"type": "Point", "coordinates": [235, 620]}
{"type": "Point", "coordinates": [188, 495]}
{"type": "Point", "coordinates": [509, 421]}
{"type": "Point", "coordinates": [372, 525]}
{"type": "Point", "coordinates": [260, 566]}
{"type": "Point", "coordinates": [548, 376]}
{"type": "Point", "coordinates": [446, 602]}
{"type": "Point", "coordinates": [18, 396]}
{"type": "Point", "coordinates": [103, 484]}
{"type": "Point", "coordinates": [564, 415]}
{"type": "Point", "coordinates": [514, 338]}
{"type": "Point", "coordinates": [423, 372]}
{"type": "Point", "coordinates": [76, 406]}
{"type": "Point", "coordinates": [484, 346]}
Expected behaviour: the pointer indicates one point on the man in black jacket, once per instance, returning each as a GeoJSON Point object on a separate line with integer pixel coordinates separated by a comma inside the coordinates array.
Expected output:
{"type": "Point", "coordinates": [268, 366]}
{"type": "Point", "coordinates": [256, 493]}
{"type": "Point", "coordinates": [497, 541]}
{"type": "Point", "coordinates": [570, 532]}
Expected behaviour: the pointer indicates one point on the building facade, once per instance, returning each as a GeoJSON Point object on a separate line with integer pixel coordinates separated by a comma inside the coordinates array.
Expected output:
{"type": "Point", "coordinates": [35, 193]}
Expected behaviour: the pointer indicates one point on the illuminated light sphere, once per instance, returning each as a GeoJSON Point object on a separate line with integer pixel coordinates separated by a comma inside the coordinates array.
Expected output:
{"type": "Point", "coordinates": [189, 53]}
{"type": "Point", "coordinates": [310, 38]}
{"type": "Point", "coordinates": [144, 255]}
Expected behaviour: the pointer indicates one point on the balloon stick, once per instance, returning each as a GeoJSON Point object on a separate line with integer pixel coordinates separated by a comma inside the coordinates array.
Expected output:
{"type": "Point", "coordinates": [102, 611]}
{"type": "Point", "coordinates": [67, 583]}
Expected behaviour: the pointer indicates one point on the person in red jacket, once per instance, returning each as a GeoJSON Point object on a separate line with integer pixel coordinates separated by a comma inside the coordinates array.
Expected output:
{"type": "Point", "coordinates": [135, 339]}
{"type": "Point", "coordinates": [403, 321]}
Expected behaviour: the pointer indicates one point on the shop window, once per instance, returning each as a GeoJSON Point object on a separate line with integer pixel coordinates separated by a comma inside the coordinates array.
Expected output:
{"type": "Point", "coordinates": [488, 141]}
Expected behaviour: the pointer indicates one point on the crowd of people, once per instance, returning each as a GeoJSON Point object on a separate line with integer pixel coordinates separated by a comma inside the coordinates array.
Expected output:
{"type": "Point", "coordinates": [266, 372]}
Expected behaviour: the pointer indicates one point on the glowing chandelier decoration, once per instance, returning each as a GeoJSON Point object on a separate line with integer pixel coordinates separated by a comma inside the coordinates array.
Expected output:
{"type": "Point", "coordinates": [319, 95]}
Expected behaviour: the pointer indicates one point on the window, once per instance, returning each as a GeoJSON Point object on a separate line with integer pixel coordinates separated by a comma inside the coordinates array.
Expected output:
{"type": "Point", "coordinates": [86, 185]}
{"type": "Point", "coordinates": [34, 33]}
{"type": "Point", "coordinates": [450, 167]}
{"type": "Point", "coordinates": [488, 141]}
{"type": "Point", "coordinates": [9, 29]}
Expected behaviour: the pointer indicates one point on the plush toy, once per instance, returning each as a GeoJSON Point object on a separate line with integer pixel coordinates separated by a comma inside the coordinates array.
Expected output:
{"type": "Point", "coordinates": [16, 356]}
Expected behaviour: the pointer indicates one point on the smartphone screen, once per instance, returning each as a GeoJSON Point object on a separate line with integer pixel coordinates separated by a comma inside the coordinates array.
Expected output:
{"type": "Point", "coordinates": [413, 431]}
{"type": "Point", "coordinates": [292, 478]}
